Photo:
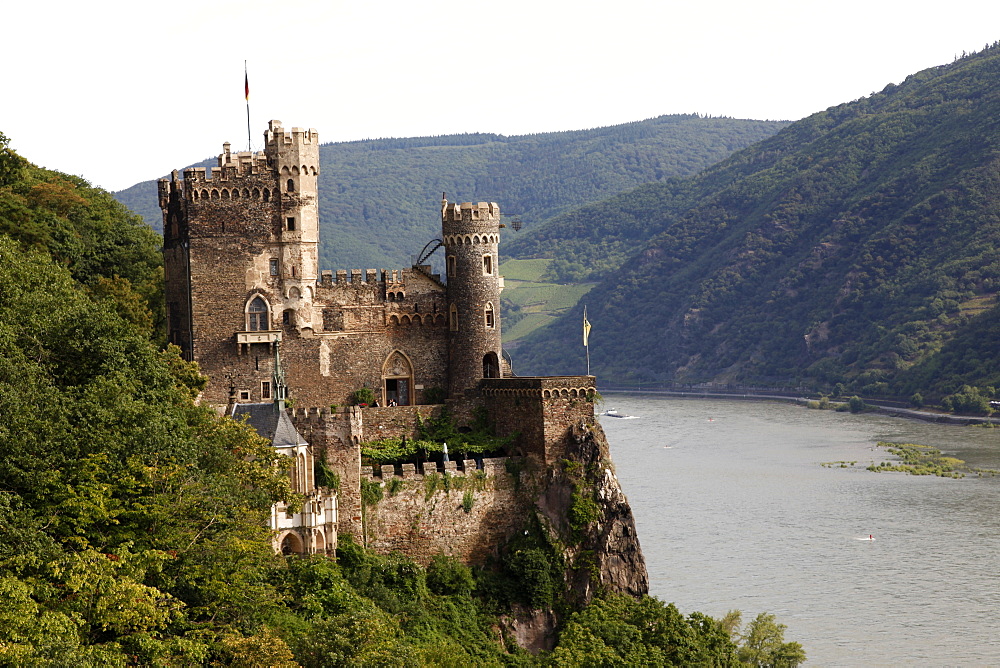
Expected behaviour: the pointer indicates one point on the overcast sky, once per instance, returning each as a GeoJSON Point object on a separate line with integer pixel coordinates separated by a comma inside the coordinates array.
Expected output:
{"type": "Point", "coordinates": [122, 92]}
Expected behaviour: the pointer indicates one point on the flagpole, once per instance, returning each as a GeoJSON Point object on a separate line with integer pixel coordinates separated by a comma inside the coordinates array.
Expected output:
{"type": "Point", "coordinates": [246, 90]}
{"type": "Point", "coordinates": [586, 337]}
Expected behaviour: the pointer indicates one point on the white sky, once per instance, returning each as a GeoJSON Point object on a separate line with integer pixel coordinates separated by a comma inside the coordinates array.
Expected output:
{"type": "Point", "coordinates": [124, 91]}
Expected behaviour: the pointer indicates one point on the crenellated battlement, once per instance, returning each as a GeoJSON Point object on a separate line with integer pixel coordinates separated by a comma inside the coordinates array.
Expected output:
{"type": "Point", "coordinates": [492, 466]}
{"type": "Point", "coordinates": [292, 153]}
{"type": "Point", "coordinates": [467, 212]}
{"type": "Point", "coordinates": [277, 135]}
{"type": "Point", "coordinates": [251, 175]}
{"type": "Point", "coordinates": [391, 278]}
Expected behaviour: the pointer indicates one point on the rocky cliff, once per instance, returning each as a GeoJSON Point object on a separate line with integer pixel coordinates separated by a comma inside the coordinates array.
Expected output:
{"type": "Point", "coordinates": [587, 521]}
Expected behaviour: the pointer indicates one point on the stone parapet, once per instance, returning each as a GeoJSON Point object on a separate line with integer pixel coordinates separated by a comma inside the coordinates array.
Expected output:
{"type": "Point", "coordinates": [491, 467]}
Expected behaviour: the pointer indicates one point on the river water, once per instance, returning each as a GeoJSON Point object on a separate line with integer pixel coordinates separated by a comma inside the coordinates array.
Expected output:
{"type": "Point", "coordinates": [735, 511]}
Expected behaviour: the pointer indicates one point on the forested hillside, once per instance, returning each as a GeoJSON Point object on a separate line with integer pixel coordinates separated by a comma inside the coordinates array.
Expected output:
{"type": "Point", "coordinates": [380, 199]}
{"type": "Point", "coordinates": [133, 522]}
{"type": "Point", "coordinates": [858, 246]}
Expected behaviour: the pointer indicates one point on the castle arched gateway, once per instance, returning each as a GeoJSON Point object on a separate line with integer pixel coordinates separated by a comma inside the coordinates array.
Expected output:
{"type": "Point", "coordinates": [397, 380]}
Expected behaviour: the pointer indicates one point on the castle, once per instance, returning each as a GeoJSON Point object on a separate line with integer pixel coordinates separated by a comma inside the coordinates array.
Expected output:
{"type": "Point", "coordinates": [243, 290]}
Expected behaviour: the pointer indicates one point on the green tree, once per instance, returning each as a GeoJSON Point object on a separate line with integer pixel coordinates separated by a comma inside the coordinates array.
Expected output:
{"type": "Point", "coordinates": [762, 644]}
{"type": "Point", "coordinates": [623, 631]}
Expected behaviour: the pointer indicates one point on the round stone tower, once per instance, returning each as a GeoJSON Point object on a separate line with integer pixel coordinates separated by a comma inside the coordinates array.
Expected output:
{"type": "Point", "coordinates": [471, 235]}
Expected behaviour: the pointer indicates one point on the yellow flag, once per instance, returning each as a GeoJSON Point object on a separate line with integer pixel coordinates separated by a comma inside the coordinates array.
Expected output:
{"type": "Point", "coordinates": [586, 327]}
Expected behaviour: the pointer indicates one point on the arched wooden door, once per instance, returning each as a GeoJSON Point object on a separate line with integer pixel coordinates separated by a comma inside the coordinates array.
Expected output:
{"type": "Point", "coordinates": [397, 380]}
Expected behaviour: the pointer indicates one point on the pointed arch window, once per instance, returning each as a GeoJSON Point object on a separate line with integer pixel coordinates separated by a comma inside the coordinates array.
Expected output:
{"type": "Point", "coordinates": [491, 322]}
{"type": "Point", "coordinates": [257, 315]}
{"type": "Point", "coordinates": [453, 318]}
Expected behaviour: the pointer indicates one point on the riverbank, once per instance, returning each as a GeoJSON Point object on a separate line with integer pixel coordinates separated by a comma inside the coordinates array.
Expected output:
{"type": "Point", "coordinates": [913, 414]}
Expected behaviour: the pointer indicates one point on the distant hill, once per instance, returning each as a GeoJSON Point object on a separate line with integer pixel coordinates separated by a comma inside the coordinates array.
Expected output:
{"type": "Point", "coordinates": [379, 199]}
{"type": "Point", "coordinates": [858, 246]}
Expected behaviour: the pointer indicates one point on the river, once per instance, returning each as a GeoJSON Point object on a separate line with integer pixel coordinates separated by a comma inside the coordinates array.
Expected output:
{"type": "Point", "coordinates": [735, 511]}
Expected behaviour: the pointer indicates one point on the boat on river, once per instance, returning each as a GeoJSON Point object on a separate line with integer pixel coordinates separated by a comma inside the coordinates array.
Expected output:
{"type": "Point", "coordinates": [613, 412]}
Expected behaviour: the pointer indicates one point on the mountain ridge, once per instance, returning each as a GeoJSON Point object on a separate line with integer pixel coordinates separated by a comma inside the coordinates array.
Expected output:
{"type": "Point", "coordinates": [848, 248]}
{"type": "Point", "coordinates": [379, 197]}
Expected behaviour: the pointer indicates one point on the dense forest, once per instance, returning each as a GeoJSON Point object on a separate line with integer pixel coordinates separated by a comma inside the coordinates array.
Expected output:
{"type": "Point", "coordinates": [133, 522]}
{"type": "Point", "coordinates": [379, 199]}
{"type": "Point", "coordinates": [858, 250]}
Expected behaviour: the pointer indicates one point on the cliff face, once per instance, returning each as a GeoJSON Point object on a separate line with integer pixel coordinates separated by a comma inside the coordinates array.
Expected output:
{"type": "Point", "coordinates": [584, 504]}
{"type": "Point", "coordinates": [587, 519]}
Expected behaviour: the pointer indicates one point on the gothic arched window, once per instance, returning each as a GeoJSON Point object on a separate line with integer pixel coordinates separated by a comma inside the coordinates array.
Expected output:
{"type": "Point", "coordinates": [257, 315]}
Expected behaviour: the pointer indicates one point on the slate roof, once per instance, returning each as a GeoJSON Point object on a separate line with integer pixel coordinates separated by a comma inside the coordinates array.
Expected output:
{"type": "Point", "coordinates": [270, 422]}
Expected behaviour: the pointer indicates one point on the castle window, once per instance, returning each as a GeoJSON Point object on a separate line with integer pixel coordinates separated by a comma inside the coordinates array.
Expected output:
{"type": "Point", "coordinates": [244, 395]}
{"type": "Point", "coordinates": [451, 265]}
{"type": "Point", "coordinates": [257, 319]}
{"type": "Point", "coordinates": [488, 265]}
{"type": "Point", "coordinates": [290, 224]}
{"type": "Point", "coordinates": [265, 389]}
{"type": "Point", "coordinates": [267, 195]}
{"type": "Point", "coordinates": [453, 318]}
{"type": "Point", "coordinates": [291, 185]}
{"type": "Point", "coordinates": [274, 266]}
{"type": "Point", "coordinates": [490, 321]}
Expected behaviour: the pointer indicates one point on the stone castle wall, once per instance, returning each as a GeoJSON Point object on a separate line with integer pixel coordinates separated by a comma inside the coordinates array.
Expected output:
{"type": "Point", "coordinates": [337, 436]}
{"type": "Point", "coordinates": [422, 514]}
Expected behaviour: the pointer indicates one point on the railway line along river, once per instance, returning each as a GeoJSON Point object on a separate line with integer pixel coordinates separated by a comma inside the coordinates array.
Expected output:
{"type": "Point", "coordinates": [735, 511]}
